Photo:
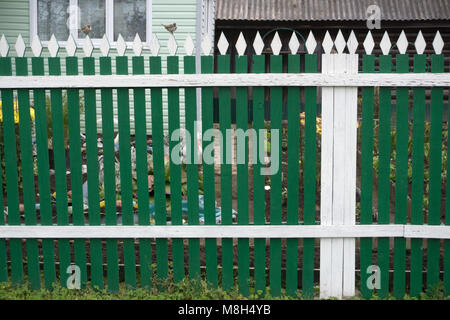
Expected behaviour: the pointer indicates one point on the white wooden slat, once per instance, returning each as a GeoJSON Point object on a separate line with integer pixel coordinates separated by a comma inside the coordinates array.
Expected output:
{"type": "Point", "coordinates": [71, 46]}
{"type": "Point", "coordinates": [189, 46]}
{"type": "Point", "coordinates": [420, 43]}
{"type": "Point", "coordinates": [438, 43]}
{"type": "Point", "coordinates": [276, 44]}
{"type": "Point", "coordinates": [20, 46]}
{"type": "Point", "coordinates": [172, 45]}
{"type": "Point", "coordinates": [258, 44]}
{"type": "Point", "coordinates": [227, 80]}
{"type": "Point", "coordinates": [368, 43]}
{"type": "Point", "coordinates": [36, 46]}
{"type": "Point", "coordinates": [154, 45]}
{"type": "Point", "coordinates": [88, 46]}
{"type": "Point", "coordinates": [241, 44]}
{"type": "Point", "coordinates": [105, 46]}
{"type": "Point", "coordinates": [311, 43]}
{"type": "Point", "coordinates": [206, 45]}
{"type": "Point", "coordinates": [4, 46]}
{"type": "Point", "coordinates": [137, 45]}
{"type": "Point", "coordinates": [121, 46]}
{"type": "Point", "coordinates": [327, 43]}
{"type": "Point", "coordinates": [385, 43]}
{"type": "Point", "coordinates": [53, 46]}
{"type": "Point", "coordinates": [402, 42]}
{"type": "Point", "coordinates": [352, 43]}
{"type": "Point", "coordinates": [294, 44]}
{"type": "Point", "coordinates": [339, 42]}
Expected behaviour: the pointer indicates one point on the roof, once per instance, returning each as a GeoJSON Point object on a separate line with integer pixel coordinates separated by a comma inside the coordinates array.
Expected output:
{"type": "Point", "coordinates": [331, 10]}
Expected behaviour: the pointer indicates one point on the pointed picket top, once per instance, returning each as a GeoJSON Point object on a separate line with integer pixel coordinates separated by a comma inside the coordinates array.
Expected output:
{"type": "Point", "coordinates": [104, 46]}
{"type": "Point", "coordinates": [189, 45]}
{"type": "Point", "coordinates": [36, 46]}
{"type": "Point", "coordinates": [258, 44]}
{"type": "Point", "coordinates": [223, 44]}
{"type": "Point", "coordinates": [294, 44]}
{"type": "Point", "coordinates": [137, 45]}
{"type": "Point", "coordinates": [88, 47]}
{"type": "Point", "coordinates": [71, 46]}
{"type": "Point", "coordinates": [241, 44]}
{"type": "Point", "coordinates": [53, 46]}
{"type": "Point", "coordinates": [121, 46]}
{"type": "Point", "coordinates": [172, 45]}
{"type": "Point", "coordinates": [154, 45]}
{"type": "Point", "coordinates": [206, 45]}
{"type": "Point", "coordinates": [420, 43]}
{"type": "Point", "coordinates": [311, 43]}
{"type": "Point", "coordinates": [352, 43]}
{"type": "Point", "coordinates": [276, 44]}
{"type": "Point", "coordinates": [4, 46]}
{"type": "Point", "coordinates": [402, 43]}
{"type": "Point", "coordinates": [20, 46]}
{"type": "Point", "coordinates": [368, 43]}
{"type": "Point", "coordinates": [385, 43]}
{"type": "Point", "coordinates": [438, 43]}
{"type": "Point", "coordinates": [327, 43]}
{"type": "Point", "coordinates": [339, 42]}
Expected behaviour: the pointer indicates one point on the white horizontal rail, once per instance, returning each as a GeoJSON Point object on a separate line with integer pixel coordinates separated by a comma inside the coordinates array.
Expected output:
{"type": "Point", "coordinates": [253, 231]}
{"type": "Point", "coordinates": [228, 80]}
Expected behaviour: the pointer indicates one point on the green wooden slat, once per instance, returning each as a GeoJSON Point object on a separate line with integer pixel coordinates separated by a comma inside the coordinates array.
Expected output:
{"type": "Point", "coordinates": [309, 177]}
{"type": "Point", "coordinates": [142, 174]}
{"type": "Point", "coordinates": [258, 179]}
{"type": "Point", "coordinates": [92, 175]}
{"type": "Point", "coordinates": [126, 193]}
{"type": "Point", "coordinates": [401, 178]}
{"type": "Point", "coordinates": [434, 209]}
{"type": "Point", "coordinates": [384, 181]}
{"type": "Point", "coordinates": [48, 249]}
{"type": "Point", "coordinates": [158, 169]}
{"type": "Point", "coordinates": [3, 257]}
{"type": "Point", "coordinates": [275, 179]}
{"type": "Point", "coordinates": [242, 179]}
{"type": "Point", "coordinates": [366, 173]}
{"type": "Point", "coordinates": [447, 223]}
{"type": "Point", "coordinates": [112, 268]}
{"type": "Point", "coordinates": [223, 66]}
{"type": "Point", "coordinates": [60, 168]}
{"type": "Point", "coordinates": [416, 282]}
{"type": "Point", "coordinates": [26, 155]}
{"type": "Point", "coordinates": [12, 187]}
{"type": "Point", "coordinates": [190, 97]}
{"type": "Point", "coordinates": [208, 175]}
{"type": "Point", "coordinates": [175, 172]}
{"type": "Point", "coordinates": [293, 177]}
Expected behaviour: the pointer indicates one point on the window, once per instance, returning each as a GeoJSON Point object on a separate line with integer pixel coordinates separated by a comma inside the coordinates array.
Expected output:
{"type": "Point", "coordinates": [110, 17]}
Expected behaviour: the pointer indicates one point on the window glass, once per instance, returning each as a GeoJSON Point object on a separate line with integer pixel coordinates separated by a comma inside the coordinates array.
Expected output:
{"type": "Point", "coordinates": [129, 19]}
{"type": "Point", "coordinates": [52, 18]}
{"type": "Point", "coordinates": [92, 12]}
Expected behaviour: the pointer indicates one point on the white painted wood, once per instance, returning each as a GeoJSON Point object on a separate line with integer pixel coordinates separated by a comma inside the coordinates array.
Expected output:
{"type": "Point", "coordinates": [339, 42]}
{"type": "Point", "coordinates": [438, 43]}
{"type": "Point", "coordinates": [233, 80]}
{"type": "Point", "coordinates": [206, 45]}
{"type": "Point", "coordinates": [154, 46]}
{"type": "Point", "coordinates": [172, 45]}
{"type": "Point", "coordinates": [53, 46]}
{"type": "Point", "coordinates": [105, 46]}
{"type": "Point", "coordinates": [402, 42]}
{"type": "Point", "coordinates": [71, 46]}
{"type": "Point", "coordinates": [121, 46]}
{"type": "Point", "coordinates": [276, 44]}
{"type": "Point", "coordinates": [88, 46]}
{"type": "Point", "coordinates": [420, 43]}
{"type": "Point", "coordinates": [36, 46]}
{"type": "Point", "coordinates": [368, 43]}
{"type": "Point", "coordinates": [221, 231]}
{"type": "Point", "coordinates": [352, 43]}
{"type": "Point", "coordinates": [258, 44]}
{"type": "Point", "coordinates": [241, 45]}
{"type": "Point", "coordinates": [385, 43]}
{"type": "Point", "coordinates": [137, 45]}
{"type": "Point", "coordinates": [189, 46]}
{"type": "Point", "coordinates": [327, 43]}
{"type": "Point", "coordinates": [311, 43]}
{"type": "Point", "coordinates": [223, 44]}
{"type": "Point", "coordinates": [4, 46]}
{"type": "Point", "coordinates": [20, 46]}
{"type": "Point", "coordinates": [294, 44]}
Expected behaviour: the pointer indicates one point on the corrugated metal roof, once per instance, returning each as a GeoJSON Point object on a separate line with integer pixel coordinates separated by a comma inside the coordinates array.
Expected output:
{"type": "Point", "coordinates": [331, 10]}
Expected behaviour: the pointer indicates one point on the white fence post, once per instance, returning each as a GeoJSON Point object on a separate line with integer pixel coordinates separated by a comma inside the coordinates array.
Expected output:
{"type": "Point", "coordinates": [338, 165]}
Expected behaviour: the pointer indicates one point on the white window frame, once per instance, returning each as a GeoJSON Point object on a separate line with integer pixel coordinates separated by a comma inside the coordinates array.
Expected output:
{"type": "Point", "coordinates": [109, 24]}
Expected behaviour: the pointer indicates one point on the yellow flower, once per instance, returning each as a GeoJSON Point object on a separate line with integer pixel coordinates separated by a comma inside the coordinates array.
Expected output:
{"type": "Point", "coordinates": [16, 112]}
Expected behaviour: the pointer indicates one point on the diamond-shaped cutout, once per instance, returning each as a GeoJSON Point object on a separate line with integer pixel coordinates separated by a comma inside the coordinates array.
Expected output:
{"type": "Point", "coordinates": [327, 43]}
{"type": "Point", "coordinates": [20, 46]}
{"type": "Point", "coordinates": [339, 42]}
{"type": "Point", "coordinates": [189, 45]}
{"type": "Point", "coordinates": [223, 44]}
{"type": "Point", "coordinates": [154, 45]}
{"type": "Point", "coordinates": [36, 46]}
{"type": "Point", "coordinates": [385, 43]}
{"type": "Point", "coordinates": [241, 44]}
{"type": "Point", "coordinates": [420, 43]}
{"type": "Point", "coordinates": [71, 46]}
{"type": "Point", "coordinates": [311, 43]}
{"type": "Point", "coordinates": [137, 45]}
{"type": "Point", "coordinates": [88, 46]}
{"type": "Point", "coordinates": [172, 45]}
{"type": "Point", "coordinates": [438, 43]}
{"type": "Point", "coordinates": [294, 44]}
{"type": "Point", "coordinates": [368, 43]}
{"type": "Point", "coordinates": [402, 43]}
{"type": "Point", "coordinates": [53, 46]}
{"type": "Point", "coordinates": [258, 44]}
{"type": "Point", "coordinates": [352, 43]}
{"type": "Point", "coordinates": [121, 46]}
{"type": "Point", "coordinates": [206, 45]}
{"type": "Point", "coordinates": [276, 44]}
{"type": "Point", "coordinates": [104, 46]}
